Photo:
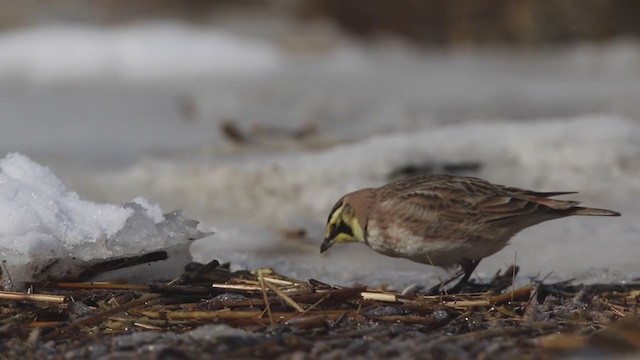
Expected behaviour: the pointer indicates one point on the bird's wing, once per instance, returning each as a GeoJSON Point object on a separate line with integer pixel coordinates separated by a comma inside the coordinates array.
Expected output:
{"type": "Point", "coordinates": [458, 199]}
{"type": "Point", "coordinates": [526, 192]}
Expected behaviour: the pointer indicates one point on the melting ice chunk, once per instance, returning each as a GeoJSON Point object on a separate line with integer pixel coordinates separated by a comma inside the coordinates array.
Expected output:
{"type": "Point", "coordinates": [48, 232]}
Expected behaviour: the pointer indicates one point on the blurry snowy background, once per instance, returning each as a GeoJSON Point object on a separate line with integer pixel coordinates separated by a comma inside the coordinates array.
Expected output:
{"type": "Point", "coordinates": [256, 116]}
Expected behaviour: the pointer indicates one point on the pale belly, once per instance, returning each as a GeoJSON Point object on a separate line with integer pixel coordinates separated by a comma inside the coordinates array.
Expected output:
{"type": "Point", "coordinates": [433, 251]}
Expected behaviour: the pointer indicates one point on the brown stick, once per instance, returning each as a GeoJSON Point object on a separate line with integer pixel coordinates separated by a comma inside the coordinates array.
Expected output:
{"type": "Point", "coordinates": [92, 285]}
{"type": "Point", "coordinates": [264, 296]}
{"type": "Point", "coordinates": [510, 296]}
{"type": "Point", "coordinates": [17, 296]}
{"type": "Point", "coordinates": [97, 318]}
{"type": "Point", "coordinates": [284, 296]}
{"type": "Point", "coordinates": [230, 315]}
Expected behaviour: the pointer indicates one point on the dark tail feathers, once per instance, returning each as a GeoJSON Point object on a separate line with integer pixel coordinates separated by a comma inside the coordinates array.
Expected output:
{"type": "Point", "coordinates": [579, 210]}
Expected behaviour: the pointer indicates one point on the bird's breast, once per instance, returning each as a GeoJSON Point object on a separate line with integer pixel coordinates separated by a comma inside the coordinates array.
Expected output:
{"type": "Point", "coordinates": [399, 241]}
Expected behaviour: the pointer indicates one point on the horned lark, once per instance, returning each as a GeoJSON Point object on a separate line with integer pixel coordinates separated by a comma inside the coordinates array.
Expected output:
{"type": "Point", "coordinates": [443, 220]}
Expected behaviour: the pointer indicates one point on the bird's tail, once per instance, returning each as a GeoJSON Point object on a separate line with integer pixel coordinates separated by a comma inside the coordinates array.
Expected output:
{"type": "Point", "coordinates": [579, 210]}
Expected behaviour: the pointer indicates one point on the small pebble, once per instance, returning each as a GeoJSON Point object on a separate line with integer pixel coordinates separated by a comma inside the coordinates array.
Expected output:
{"type": "Point", "coordinates": [440, 315]}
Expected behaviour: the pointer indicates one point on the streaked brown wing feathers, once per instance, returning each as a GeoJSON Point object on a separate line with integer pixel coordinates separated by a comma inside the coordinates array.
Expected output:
{"type": "Point", "coordinates": [471, 199]}
{"type": "Point", "coordinates": [544, 194]}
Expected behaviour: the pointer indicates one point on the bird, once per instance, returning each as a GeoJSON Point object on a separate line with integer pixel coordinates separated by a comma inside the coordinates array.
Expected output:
{"type": "Point", "coordinates": [443, 220]}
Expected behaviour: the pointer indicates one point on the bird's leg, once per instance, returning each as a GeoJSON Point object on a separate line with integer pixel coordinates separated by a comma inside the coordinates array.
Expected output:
{"type": "Point", "coordinates": [468, 266]}
{"type": "Point", "coordinates": [451, 278]}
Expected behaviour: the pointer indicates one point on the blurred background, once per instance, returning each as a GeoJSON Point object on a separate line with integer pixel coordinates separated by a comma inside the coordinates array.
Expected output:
{"type": "Point", "coordinates": [256, 116]}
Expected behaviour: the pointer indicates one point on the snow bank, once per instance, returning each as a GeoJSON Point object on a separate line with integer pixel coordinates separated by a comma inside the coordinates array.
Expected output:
{"type": "Point", "coordinates": [585, 154]}
{"type": "Point", "coordinates": [47, 231]}
{"type": "Point", "coordinates": [139, 52]}
{"type": "Point", "coordinates": [249, 199]}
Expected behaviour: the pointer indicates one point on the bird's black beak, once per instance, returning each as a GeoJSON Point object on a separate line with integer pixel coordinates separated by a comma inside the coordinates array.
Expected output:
{"type": "Point", "coordinates": [326, 244]}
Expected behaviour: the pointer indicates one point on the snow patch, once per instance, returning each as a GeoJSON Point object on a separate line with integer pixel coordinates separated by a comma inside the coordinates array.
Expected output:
{"type": "Point", "coordinates": [47, 231]}
{"type": "Point", "coordinates": [585, 154]}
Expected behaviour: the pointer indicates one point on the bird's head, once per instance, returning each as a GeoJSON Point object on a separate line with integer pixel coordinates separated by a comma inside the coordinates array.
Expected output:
{"type": "Point", "coordinates": [348, 219]}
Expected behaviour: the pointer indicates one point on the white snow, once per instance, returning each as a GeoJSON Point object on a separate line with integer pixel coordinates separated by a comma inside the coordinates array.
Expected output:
{"type": "Point", "coordinates": [48, 231]}
{"type": "Point", "coordinates": [36, 204]}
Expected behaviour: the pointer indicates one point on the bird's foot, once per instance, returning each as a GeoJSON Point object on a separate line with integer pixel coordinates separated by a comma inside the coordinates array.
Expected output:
{"type": "Point", "coordinates": [500, 281]}
{"type": "Point", "coordinates": [441, 287]}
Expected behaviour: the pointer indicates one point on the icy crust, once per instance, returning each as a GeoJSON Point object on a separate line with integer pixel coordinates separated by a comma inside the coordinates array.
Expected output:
{"type": "Point", "coordinates": [47, 231]}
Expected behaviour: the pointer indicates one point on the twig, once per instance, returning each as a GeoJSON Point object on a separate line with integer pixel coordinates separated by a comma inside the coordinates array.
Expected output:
{"type": "Point", "coordinates": [91, 285]}
{"type": "Point", "coordinates": [279, 281]}
{"type": "Point", "coordinates": [515, 294]}
{"type": "Point", "coordinates": [17, 296]}
{"type": "Point", "coordinates": [467, 303]}
{"type": "Point", "coordinates": [513, 278]}
{"type": "Point", "coordinates": [147, 326]}
{"type": "Point", "coordinates": [97, 318]}
{"type": "Point", "coordinates": [237, 287]}
{"type": "Point", "coordinates": [6, 270]}
{"type": "Point", "coordinates": [37, 324]}
{"type": "Point", "coordinates": [386, 297]}
{"type": "Point", "coordinates": [308, 322]}
{"type": "Point", "coordinates": [229, 315]}
{"type": "Point", "coordinates": [330, 297]}
{"type": "Point", "coordinates": [491, 300]}
{"type": "Point", "coordinates": [186, 278]}
{"type": "Point", "coordinates": [284, 296]}
{"type": "Point", "coordinates": [311, 308]}
{"type": "Point", "coordinates": [264, 296]}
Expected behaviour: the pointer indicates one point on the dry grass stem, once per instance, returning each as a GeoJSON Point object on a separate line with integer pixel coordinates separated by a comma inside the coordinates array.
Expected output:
{"type": "Point", "coordinates": [284, 297]}
{"type": "Point", "coordinates": [17, 296]}
{"type": "Point", "coordinates": [264, 296]}
{"type": "Point", "coordinates": [386, 297]}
